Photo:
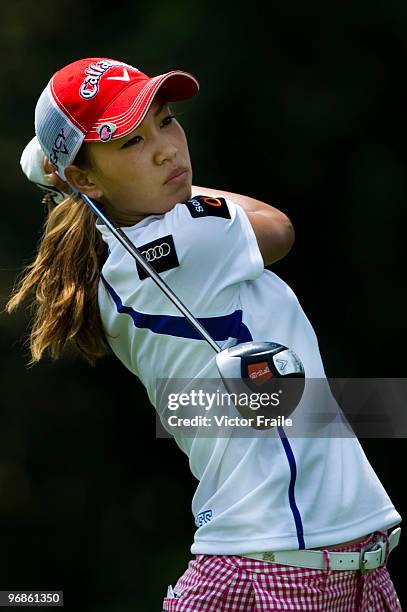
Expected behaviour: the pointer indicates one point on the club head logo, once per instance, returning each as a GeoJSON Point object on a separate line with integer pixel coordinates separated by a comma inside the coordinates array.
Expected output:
{"type": "Point", "coordinates": [259, 372]}
{"type": "Point", "coordinates": [106, 131]}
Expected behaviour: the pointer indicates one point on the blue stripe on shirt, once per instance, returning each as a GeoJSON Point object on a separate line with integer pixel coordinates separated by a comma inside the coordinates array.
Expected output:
{"type": "Point", "coordinates": [291, 488]}
{"type": "Point", "coordinates": [291, 495]}
{"type": "Point", "coordinates": [220, 328]}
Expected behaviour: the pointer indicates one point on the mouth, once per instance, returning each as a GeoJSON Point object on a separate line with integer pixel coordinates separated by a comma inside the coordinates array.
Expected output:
{"type": "Point", "coordinates": [177, 176]}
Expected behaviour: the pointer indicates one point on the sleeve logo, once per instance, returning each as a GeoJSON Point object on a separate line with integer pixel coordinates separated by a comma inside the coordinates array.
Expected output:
{"type": "Point", "coordinates": [204, 206]}
{"type": "Point", "coordinates": [160, 254]}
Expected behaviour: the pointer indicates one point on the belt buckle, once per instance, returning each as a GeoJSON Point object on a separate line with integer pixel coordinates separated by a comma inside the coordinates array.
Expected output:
{"type": "Point", "coordinates": [371, 548]}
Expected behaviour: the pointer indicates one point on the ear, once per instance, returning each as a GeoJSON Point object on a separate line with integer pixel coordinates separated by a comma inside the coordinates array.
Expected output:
{"type": "Point", "coordinates": [82, 182]}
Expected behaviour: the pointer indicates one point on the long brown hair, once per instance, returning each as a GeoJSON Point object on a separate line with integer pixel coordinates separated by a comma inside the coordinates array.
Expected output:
{"type": "Point", "coordinates": [63, 282]}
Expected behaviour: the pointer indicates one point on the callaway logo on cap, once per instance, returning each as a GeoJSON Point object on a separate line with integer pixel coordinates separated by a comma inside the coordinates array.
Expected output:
{"type": "Point", "coordinates": [98, 100]}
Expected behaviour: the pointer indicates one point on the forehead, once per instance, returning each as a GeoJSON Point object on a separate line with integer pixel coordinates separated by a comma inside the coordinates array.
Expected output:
{"type": "Point", "coordinates": [158, 105]}
{"type": "Point", "coordinates": [157, 102]}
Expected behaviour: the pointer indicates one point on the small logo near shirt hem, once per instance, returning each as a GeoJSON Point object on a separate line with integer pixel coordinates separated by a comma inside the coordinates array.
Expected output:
{"type": "Point", "coordinates": [203, 517]}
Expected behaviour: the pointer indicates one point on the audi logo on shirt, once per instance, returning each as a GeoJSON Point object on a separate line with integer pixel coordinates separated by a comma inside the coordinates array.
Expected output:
{"type": "Point", "coordinates": [160, 253]}
{"type": "Point", "coordinates": [161, 250]}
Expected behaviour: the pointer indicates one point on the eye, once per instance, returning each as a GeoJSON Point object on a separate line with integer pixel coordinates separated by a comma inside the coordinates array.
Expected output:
{"type": "Point", "coordinates": [133, 141]}
{"type": "Point", "coordinates": [168, 120]}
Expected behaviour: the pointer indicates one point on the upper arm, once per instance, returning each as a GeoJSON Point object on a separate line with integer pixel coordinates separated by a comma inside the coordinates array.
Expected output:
{"type": "Point", "coordinates": [274, 234]}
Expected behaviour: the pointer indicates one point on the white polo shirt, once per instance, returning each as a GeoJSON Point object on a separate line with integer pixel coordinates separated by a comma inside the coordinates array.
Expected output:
{"type": "Point", "coordinates": [266, 492]}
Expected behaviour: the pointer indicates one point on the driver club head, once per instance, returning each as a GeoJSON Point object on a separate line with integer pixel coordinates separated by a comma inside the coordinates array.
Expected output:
{"type": "Point", "coordinates": [263, 368]}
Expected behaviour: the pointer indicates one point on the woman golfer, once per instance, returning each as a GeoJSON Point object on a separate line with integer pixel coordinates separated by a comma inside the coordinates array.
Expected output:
{"type": "Point", "coordinates": [282, 523]}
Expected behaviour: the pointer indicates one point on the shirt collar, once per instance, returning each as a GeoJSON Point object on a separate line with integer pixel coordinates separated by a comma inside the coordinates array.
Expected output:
{"type": "Point", "coordinates": [106, 233]}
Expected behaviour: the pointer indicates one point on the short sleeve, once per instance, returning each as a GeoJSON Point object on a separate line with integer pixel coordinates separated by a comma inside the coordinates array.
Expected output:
{"type": "Point", "coordinates": [216, 244]}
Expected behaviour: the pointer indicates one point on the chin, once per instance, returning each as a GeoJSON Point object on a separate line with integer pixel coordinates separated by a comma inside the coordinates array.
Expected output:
{"type": "Point", "coordinates": [183, 195]}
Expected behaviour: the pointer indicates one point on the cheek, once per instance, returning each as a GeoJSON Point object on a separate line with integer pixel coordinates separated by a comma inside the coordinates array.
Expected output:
{"type": "Point", "coordinates": [183, 139]}
{"type": "Point", "coordinates": [105, 170]}
{"type": "Point", "coordinates": [117, 174]}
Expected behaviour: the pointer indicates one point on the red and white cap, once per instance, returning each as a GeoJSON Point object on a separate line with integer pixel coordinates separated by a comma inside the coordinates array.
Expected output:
{"type": "Point", "coordinates": [98, 100]}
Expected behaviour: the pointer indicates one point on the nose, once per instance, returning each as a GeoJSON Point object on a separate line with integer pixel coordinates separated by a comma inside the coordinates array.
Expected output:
{"type": "Point", "coordinates": [165, 151]}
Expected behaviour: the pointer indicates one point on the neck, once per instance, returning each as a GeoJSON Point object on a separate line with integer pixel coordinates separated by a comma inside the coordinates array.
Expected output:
{"type": "Point", "coordinates": [122, 219]}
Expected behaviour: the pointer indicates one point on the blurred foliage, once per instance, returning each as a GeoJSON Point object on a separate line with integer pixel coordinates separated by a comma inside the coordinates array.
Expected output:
{"type": "Point", "coordinates": [301, 105]}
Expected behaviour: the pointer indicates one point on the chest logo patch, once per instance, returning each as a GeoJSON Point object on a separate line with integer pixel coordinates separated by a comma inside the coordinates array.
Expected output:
{"type": "Point", "coordinates": [205, 206]}
{"type": "Point", "coordinates": [160, 253]}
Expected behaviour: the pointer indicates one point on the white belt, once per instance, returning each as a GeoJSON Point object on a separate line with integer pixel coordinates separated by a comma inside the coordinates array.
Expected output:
{"type": "Point", "coordinates": [368, 558]}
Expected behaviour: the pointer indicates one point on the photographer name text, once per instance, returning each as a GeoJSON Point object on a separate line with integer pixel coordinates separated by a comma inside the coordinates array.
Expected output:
{"type": "Point", "coordinates": [224, 421]}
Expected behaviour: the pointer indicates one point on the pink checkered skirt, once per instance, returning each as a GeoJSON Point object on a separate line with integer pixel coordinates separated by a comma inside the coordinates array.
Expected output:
{"type": "Point", "coordinates": [226, 583]}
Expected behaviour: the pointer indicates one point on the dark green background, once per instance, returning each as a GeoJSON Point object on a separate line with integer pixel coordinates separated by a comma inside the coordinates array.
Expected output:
{"type": "Point", "coordinates": [301, 105]}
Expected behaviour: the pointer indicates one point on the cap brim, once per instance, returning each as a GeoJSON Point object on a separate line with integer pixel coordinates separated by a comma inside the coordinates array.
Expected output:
{"type": "Point", "coordinates": [130, 107]}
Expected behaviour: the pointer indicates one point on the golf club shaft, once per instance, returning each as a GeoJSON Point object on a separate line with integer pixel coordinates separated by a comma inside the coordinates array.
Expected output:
{"type": "Point", "coordinates": [135, 253]}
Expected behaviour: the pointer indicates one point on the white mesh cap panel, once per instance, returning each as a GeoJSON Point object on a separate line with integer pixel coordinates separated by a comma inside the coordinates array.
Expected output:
{"type": "Point", "coordinates": [60, 139]}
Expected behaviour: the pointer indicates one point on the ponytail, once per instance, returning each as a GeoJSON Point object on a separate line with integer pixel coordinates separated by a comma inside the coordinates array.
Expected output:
{"type": "Point", "coordinates": [63, 281]}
